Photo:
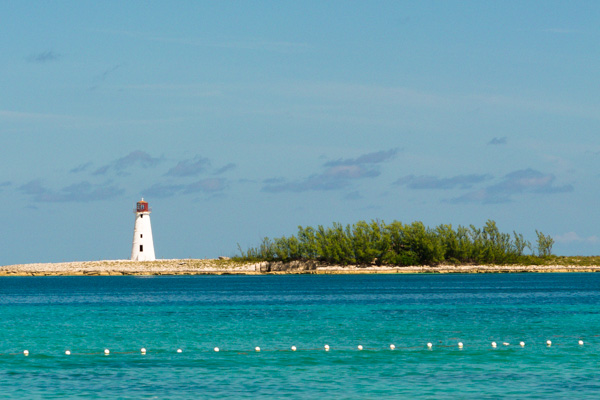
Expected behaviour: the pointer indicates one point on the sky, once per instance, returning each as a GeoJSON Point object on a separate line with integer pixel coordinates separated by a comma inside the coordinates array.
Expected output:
{"type": "Point", "coordinates": [238, 120]}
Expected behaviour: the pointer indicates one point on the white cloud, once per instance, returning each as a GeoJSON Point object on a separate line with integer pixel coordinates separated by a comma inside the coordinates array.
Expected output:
{"type": "Point", "coordinates": [516, 183]}
{"type": "Point", "coordinates": [572, 237]}
{"type": "Point", "coordinates": [338, 174]}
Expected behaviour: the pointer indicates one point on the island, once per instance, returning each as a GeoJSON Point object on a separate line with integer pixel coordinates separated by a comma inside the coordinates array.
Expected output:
{"type": "Point", "coordinates": [225, 266]}
{"type": "Point", "coordinates": [361, 248]}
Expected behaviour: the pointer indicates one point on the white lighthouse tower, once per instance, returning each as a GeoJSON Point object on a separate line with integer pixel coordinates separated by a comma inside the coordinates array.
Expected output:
{"type": "Point", "coordinates": [143, 245]}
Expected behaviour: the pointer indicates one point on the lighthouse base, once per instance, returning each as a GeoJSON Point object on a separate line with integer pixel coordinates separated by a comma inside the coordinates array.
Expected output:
{"type": "Point", "coordinates": [142, 248]}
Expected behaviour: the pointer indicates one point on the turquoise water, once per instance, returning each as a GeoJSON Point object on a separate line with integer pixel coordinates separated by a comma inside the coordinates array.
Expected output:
{"type": "Point", "coordinates": [49, 315]}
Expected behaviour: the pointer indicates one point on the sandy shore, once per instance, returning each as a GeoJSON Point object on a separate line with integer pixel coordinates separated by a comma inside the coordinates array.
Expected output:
{"type": "Point", "coordinates": [222, 267]}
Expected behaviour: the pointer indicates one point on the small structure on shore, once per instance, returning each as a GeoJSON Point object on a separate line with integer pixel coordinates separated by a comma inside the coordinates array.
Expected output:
{"type": "Point", "coordinates": [143, 245]}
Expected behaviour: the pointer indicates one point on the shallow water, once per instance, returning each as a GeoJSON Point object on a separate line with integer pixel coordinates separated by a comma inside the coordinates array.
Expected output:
{"type": "Point", "coordinates": [48, 315]}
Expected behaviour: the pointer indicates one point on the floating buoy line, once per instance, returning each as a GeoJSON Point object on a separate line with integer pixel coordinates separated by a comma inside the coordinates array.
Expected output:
{"type": "Point", "coordinates": [392, 347]}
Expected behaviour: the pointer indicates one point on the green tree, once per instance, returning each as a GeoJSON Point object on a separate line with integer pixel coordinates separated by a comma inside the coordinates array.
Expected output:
{"type": "Point", "coordinates": [544, 244]}
{"type": "Point", "coordinates": [399, 244]}
{"type": "Point", "coordinates": [520, 244]}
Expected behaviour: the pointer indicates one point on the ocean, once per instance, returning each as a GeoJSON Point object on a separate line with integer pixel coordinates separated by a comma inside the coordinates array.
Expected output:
{"type": "Point", "coordinates": [86, 315]}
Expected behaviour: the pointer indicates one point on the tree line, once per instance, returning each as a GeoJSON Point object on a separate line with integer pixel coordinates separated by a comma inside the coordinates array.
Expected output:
{"type": "Point", "coordinates": [401, 244]}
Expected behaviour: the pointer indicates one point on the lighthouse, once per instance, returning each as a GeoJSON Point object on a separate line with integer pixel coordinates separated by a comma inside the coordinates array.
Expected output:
{"type": "Point", "coordinates": [143, 245]}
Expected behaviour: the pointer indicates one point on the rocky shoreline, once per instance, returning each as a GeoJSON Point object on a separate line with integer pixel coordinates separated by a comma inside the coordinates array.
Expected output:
{"type": "Point", "coordinates": [230, 267]}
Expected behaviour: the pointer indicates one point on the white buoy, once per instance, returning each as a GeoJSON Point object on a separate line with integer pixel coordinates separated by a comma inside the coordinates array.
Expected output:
{"type": "Point", "coordinates": [360, 347]}
{"type": "Point", "coordinates": [494, 344]}
{"type": "Point", "coordinates": [506, 344]}
{"type": "Point", "coordinates": [293, 348]}
{"type": "Point", "coordinates": [548, 343]}
{"type": "Point", "coordinates": [392, 347]}
{"type": "Point", "coordinates": [460, 345]}
{"type": "Point", "coordinates": [106, 351]}
{"type": "Point", "coordinates": [581, 342]}
{"type": "Point", "coordinates": [26, 352]}
{"type": "Point", "coordinates": [143, 350]}
{"type": "Point", "coordinates": [257, 348]}
{"type": "Point", "coordinates": [326, 347]}
{"type": "Point", "coordinates": [179, 351]}
{"type": "Point", "coordinates": [522, 344]}
{"type": "Point", "coordinates": [429, 345]}
{"type": "Point", "coordinates": [68, 352]}
{"type": "Point", "coordinates": [216, 349]}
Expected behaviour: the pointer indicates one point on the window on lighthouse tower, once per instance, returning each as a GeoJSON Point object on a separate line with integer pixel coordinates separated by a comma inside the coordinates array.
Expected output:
{"type": "Point", "coordinates": [141, 248]}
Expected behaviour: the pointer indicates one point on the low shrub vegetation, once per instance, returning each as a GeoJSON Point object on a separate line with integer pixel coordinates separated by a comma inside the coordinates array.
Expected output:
{"type": "Point", "coordinates": [378, 243]}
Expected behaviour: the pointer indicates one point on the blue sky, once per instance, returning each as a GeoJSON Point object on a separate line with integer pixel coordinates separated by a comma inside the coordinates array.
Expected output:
{"type": "Point", "coordinates": [239, 120]}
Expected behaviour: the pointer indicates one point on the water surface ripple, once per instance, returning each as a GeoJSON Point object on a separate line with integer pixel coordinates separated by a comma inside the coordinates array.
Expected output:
{"type": "Point", "coordinates": [48, 315]}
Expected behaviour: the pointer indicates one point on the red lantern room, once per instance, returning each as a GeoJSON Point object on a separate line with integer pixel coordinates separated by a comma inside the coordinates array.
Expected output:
{"type": "Point", "coordinates": [142, 206]}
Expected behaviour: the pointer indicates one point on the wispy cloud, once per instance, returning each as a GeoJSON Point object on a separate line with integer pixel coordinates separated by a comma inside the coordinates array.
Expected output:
{"type": "Point", "coordinates": [498, 141]}
{"type": "Point", "coordinates": [5, 184]}
{"type": "Point", "coordinates": [103, 76]}
{"type": "Point", "coordinates": [135, 158]}
{"type": "Point", "coordinates": [515, 183]}
{"type": "Point", "coordinates": [353, 196]}
{"type": "Point", "coordinates": [162, 190]}
{"type": "Point", "coordinates": [33, 188]}
{"type": "Point", "coordinates": [436, 183]}
{"type": "Point", "coordinates": [225, 168]}
{"type": "Point", "coordinates": [332, 179]}
{"type": "Point", "coordinates": [389, 98]}
{"type": "Point", "coordinates": [370, 158]}
{"type": "Point", "coordinates": [246, 44]}
{"type": "Point", "coordinates": [81, 168]}
{"type": "Point", "coordinates": [207, 186]}
{"type": "Point", "coordinates": [529, 180]}
{"type": "Point", "coordinates": [107, 72]}
{"type": "Point", "coordinates": [338, 174]}
{"type": "Point", "coordinates": [561, 30]}
{"type": "Point", "coordinates": [273, 181]}
{"type": "Point", "coordinates": [44, 57]}
{"type": "Point", "coordinates": [192, 167]}
{"type": "Point", "coordinates": [81, 192]}
{"type": "Point", "coordinates": [572, 237]}
{"type": "Point", "coordinates": [102, 170]}
{"type": "Point", "coordinates": [257, 44]}
{"type": "Point", "coordinates": [12, 115]}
